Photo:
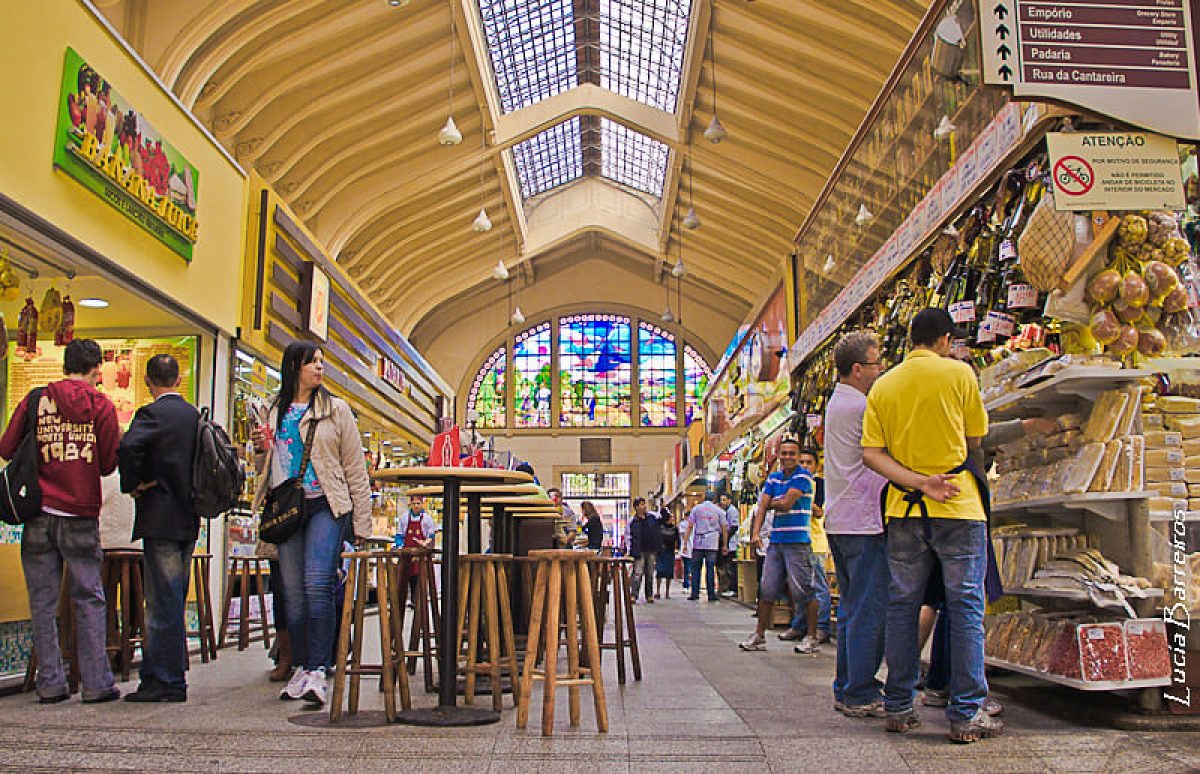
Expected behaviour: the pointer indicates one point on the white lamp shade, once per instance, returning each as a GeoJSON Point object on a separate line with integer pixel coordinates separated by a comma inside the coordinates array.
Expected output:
{"type": "Point", "coordinates": [482, 222]}
{"type": "Point", "coordinates": [715, 132]}
{"type": "Point", "coordinates": [678, 270]}
{"type": "Point", "coordinates": [449, 135]}
{"type": "Point", "coordinates": [517, 316]}
{"type": "Point", "coordinates": [944, 129]}
{"type": "Point", "coordinates": [864, 215]}
{"type": "Point", "coordinates": [667, 316]}
{"type": "Point", "coordinates": [500, 272]}
{"type": "Point", "coordinates": [691, 220]}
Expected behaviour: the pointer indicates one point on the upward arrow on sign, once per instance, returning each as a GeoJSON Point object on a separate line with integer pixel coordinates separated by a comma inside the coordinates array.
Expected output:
{"type": "Point", "coordinates": [1001, 11]}
{"type": "Point", "coordinates": [1002, 32]}
{"type": "Point", "coordinates": [1004, 51]}
{"type": "Point", "coordinates": [1006, 72]}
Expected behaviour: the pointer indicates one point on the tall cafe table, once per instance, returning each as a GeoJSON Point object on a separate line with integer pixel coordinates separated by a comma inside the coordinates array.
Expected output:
{"type": "Point", "coordinates": [475, 494]}
{"type": "Point", "coordinates": [451, 480]}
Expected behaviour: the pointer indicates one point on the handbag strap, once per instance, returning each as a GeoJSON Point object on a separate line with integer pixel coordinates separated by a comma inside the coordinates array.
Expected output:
{"type": "Point", "coordinates": [308, 442]}
{"type": "Point", "coordinates": [31, 409]}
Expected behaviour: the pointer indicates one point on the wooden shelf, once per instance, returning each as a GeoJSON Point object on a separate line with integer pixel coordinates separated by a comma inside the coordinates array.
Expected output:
{"type": "Point", "coordinates": [1074, 682]}
{"type": "Point", "coordinates": [1159, 518]}
{"type": "Point", "coordinates": [1078, 596]}
{"type": "Point", "coordinates": [1063, 387]}
{"type": "Point", "coordinates": [1109, 505]}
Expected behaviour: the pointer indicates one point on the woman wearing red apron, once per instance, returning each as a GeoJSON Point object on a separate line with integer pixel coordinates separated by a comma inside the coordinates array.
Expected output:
{"type": "Point", "coordinates": [418, 532]}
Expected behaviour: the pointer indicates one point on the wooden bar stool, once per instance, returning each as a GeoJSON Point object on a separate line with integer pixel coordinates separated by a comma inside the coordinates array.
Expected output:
{"type": "Point", "coordinates": [125, 603]}
{"type": "Point", "coordinates": [614, 574]}
{"type": "Point", "coordinates": [66, 641]}
{"type": "Point", "coordinates": [348, 662]}
{"type": "Point", "coordinates": [205, 631]}
{"type": "Point", "coordinates": [562, 575]}
{"type": "Point", "coordinates": [423, 641]}
{"type": "Point", "coordinates": [241, 570]}
{"type": "Point", "coordinates": [484, 602]}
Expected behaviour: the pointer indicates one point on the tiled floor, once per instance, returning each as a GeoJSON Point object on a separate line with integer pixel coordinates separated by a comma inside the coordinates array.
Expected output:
{"type": "Point", "coordinates": [702, 705]}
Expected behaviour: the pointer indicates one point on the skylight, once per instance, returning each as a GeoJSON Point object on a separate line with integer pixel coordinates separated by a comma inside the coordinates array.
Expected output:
{"type": "Point", "coordinates": [549, 159]}
{"type": "Point", "coordinates": [641, 49]}
{"type": "Point", "coordinates": [632, 158]}
{"type": "Point", "coordinates": [540, 48]}
{"type": "Point", "coordinates": [533, 48]}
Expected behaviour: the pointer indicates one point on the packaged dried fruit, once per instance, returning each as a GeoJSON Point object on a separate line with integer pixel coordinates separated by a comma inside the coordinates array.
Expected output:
{"type": "Point", "coordinates": [1146, 648]}
{"type": "Point", "coordinates": [1022, 629]}
{"type": "Point", "coordinates": [1045, 651]}
{"type": "Point", "coordinates": [1063, 658]}
{"type": "Point", "coordinates": [1102, 652]}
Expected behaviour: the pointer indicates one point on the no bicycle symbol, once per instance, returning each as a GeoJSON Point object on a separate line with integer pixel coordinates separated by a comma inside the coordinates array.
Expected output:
{"type": "Point", "coordinates": [1073, 176]}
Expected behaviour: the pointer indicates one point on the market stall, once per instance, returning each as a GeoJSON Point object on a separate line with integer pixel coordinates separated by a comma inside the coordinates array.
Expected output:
{"type": "Point", "coordinates": [1064, 243]}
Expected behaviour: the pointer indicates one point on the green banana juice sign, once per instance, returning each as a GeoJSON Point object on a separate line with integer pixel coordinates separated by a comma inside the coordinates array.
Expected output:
{"type": "Point", "coordinates": [105, 144]}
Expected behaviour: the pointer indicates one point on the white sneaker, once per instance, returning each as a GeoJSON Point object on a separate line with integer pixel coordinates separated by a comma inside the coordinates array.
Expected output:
{"type": "Point", "coordinates": [295, 687]}
{"type": "Point", "coordinates": [314, 687]}
{"type": "Point", "coordinates": [753, 642]}
{"type": "Point", "coordinates": [807, 645]}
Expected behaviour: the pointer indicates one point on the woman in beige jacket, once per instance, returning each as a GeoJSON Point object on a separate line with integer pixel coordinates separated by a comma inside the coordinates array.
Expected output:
{"type": "Point", "coordinates": [338, 491]}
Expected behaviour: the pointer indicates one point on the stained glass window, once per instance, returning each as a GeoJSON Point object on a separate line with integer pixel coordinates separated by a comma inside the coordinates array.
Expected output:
{"type": "Point", "coordinates": [531, 369]}
{"type": "Point", "coordinates": [656, 376]}
{"type": "Point", "coordinates": [696, 376]}
{"type": "Point", "coordinates": [595, 372]}
{"type": "Point", "coordinates": [487, 391]}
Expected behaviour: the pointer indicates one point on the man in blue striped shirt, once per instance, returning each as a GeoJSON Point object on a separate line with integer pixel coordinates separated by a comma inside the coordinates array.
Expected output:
{"type": "Point", "coordinates": [788, 568]}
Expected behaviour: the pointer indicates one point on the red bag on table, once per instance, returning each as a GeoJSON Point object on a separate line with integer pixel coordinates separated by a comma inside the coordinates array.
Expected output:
{"type": "Point", "coordinates": [446, 449]}
{"type": "Point", "coordinates": [473, 460]}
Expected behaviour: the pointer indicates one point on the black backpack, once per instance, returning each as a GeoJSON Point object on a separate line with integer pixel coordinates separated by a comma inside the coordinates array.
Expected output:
{"type": "Point", "coordinates": [217, 475]}
{"type": "Point", "coordinates": [20, 493]}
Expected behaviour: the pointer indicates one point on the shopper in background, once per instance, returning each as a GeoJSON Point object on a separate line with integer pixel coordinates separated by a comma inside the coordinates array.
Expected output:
{"type": "Point", "coordinates": [156, 457]}
{"type": "Point", "coordinates": [417, 531]}
{"type": "Point", "coordinates": [726, 570]}
{"type": "Point", "coordinates": [687, 541]}
{"type": "Point", "coordinates": [593, 526]}
{"type": "Point", "coordinates": [664, 565]}
{"type": "Point", "coordinates": [788, 567]}
{"type": "Point", "coordinates": [339, 499]}
{"type": "Point", "coordinates": [706, 526]}
{"type": "Point", "coordinates": [922, 417]}
{"type": "Point", "coordinates": [77, 436]}
{"type": "Point", "coordinates": [645, 540]}
{"type": "Point", "coordinates": [566, 525]}
{"type": "Point", "coordinates": [820, 549]}
{"type": "Point", "coordinates": [854, 526]}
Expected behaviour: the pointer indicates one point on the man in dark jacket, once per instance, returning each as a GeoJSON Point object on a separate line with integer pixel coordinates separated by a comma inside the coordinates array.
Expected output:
{"type": "Point", "coordinates": [156, 458]}
{"type": "Point", "coordinates": [77, 435]}
{"type": "Point", "coordinates": [645, 540]}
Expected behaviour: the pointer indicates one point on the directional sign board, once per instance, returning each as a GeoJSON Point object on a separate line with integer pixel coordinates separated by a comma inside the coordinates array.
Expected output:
{"type": "Point", "coordinates": [1133, 60]}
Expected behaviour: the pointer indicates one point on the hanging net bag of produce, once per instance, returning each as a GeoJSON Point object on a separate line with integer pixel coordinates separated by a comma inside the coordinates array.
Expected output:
{"type": "Point", "coordinates": [1046, 245]}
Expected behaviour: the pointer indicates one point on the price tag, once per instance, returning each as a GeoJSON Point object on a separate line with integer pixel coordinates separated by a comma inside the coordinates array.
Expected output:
{"type": "Point", "coordinates": [1022, 296]}
{"type": "Point", "coordinates": [963, 312]}
{"type": "Point", "coordinates": [1000, 323]}
{"type": "Point", "coordinates": [813, 421]}
{"type": "Point", "coordinates": [1136, 629]}
{"type": "Point", "coordinates": [959, 349]}
{"type": "Point", "coordinates": [986, 334]}
{"type": "Point", "coordinates": [1008, 251]}
{"type": "Point", "coordinates": [1095, 634]}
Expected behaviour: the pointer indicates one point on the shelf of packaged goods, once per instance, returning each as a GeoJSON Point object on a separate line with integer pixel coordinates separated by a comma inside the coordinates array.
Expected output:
{"type": "Point", "coordinates": [1083, 685]}
{"type": "Point", "coordinates": [1073, 595]}
{"type": "Point", "coordinates": [1061, 388]}
{"type": "Point", "coordinates": [1109, 505]}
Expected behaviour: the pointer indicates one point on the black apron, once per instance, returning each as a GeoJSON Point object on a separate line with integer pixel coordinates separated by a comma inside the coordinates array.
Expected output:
{"type": "Point", "coordinates": [935, 591]}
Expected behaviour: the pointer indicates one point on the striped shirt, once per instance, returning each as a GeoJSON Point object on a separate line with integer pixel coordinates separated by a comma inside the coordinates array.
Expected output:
{"type": "Point", "coordinates": [791, 526]}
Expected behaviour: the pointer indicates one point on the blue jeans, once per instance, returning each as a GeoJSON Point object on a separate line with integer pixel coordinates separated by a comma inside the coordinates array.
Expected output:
{"type": "Point", "coordinates": [959, 545]}
{"type": "Point", "coordinates": [824, 601]}
{"type": "Point", "coordinates": [938, 676]}
{"type": "Point", "coordinates": [309, 561]}
{"type": "Point", "coordinates": [166, 566]}
{"type": "Point", "coordinates": [47, 543]}
{"type": "Point", "coordinates": [862, 576]}
{"type": "Point", "coordinates": [708, 558]}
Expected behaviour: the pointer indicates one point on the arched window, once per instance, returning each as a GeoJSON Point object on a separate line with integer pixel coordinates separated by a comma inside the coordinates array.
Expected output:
{"type": "Point", "coordinates": [657, 372]}
{"type": "Point", "coordinates": [531, 368]}
{"type": "Point", "coordinates": [596, 373]}
{"type": "Point", "coordinates": [696, 376]}
{"type": "Point", "coordinates": [487, 391]}
{"type": "Point", "coordinates": [598, 362]}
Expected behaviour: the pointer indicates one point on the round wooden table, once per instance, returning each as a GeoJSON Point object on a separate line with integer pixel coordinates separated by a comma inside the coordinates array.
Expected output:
{"type": "Point", "coordinates": [451, 481]}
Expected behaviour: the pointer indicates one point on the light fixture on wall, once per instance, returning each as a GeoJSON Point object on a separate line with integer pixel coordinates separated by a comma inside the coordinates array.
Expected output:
{"type": "Point", "coordinates": [715, 132]}
{"type": "Point", "coordinates": [691, 220]}
{"type": "Point", "coordinates": [449, 135]}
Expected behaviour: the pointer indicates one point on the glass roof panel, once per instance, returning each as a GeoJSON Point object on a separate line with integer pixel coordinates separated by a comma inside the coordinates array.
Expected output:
{"type": "Point", "coordinates": [641, 49]}
{"type": "Point", "coordinates": [532, 44]}
{"type": "Point", "coordinates": [632, 158]}
{"type": "Point", "coordinates": [549, 159]}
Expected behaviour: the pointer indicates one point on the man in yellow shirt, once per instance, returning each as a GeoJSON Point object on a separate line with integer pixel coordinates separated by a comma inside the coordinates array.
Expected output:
{"type": "Point", "coordinates": [921, 419]}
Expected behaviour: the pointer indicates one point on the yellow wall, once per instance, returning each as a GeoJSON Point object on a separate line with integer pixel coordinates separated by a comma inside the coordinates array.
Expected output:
{"type": "Point", "coordinates": [34, 37]}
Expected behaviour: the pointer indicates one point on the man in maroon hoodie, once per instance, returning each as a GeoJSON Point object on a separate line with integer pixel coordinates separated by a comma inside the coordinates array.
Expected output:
{"type": "Point", "coordinates": [77, 436]}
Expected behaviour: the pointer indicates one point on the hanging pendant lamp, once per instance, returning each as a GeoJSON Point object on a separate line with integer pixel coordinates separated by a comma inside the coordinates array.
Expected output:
{"type": "Point", "coordinates": [500, 272]}
{"type": "Point", "coordinates": [864, 215]}
{"type": "Point", "coordinates": [667, 316]}
{"type": "Point", "coordinates": [691, 221]}
{"type": "Point", "coordinates": [449, 135]}
{"type": "Point", "coordinates": [679, 270]}
{"type": "Point", "coordinates": [482, 222]}
{"type": "Point", "coordinates": [715, 132]}
{"type": "Point", "coordinates": [517, 317]}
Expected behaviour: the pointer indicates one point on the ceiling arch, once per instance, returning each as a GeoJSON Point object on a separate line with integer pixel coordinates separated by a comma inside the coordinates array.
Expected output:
{"type": "Point", "coordinates": [337, 104]}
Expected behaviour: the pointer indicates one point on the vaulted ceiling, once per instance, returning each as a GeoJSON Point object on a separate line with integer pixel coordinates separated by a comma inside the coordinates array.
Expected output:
{"type": "Point", "coordinates": [580, 118]}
